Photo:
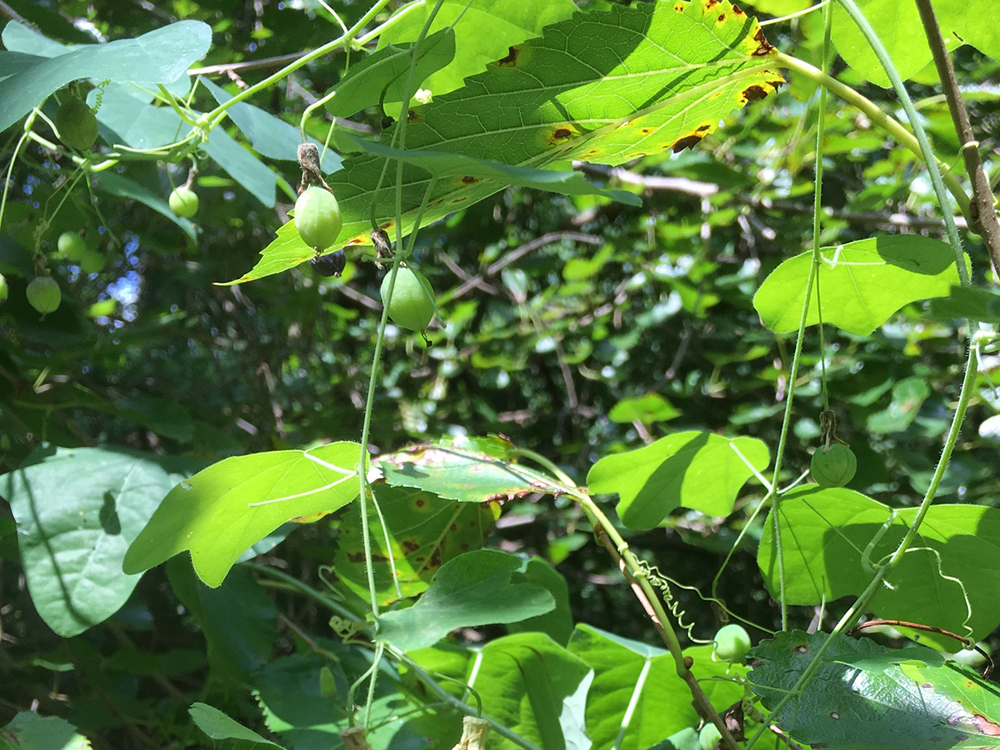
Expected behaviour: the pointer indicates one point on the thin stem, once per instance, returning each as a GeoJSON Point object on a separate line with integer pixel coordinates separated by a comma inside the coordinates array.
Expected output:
{"type": "Point", "coordinates": [880, 118]}
{"type": "Point", "coordinates": [918, 130]}
{"type": "Point", "coordinates": [983, 213]}
{"type": "Point", "coordinates": [636, 574]}
{"type": "Point", "coordinates": [342, 41]}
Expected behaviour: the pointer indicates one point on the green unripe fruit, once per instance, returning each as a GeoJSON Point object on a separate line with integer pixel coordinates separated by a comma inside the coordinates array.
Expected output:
{"type": "Point", "coordinates": [77, 124]}
{"type": "Point", "coordinates": [183, 202]}
{"type": "Point", "coordinates": [731, 643]}
{"type": "Point", "coordinates": [834, 466]}
{"type": "Point", "coordinates": [4, 289]}
{"type": "Point", "coordinates": [43, 294]}
{"type": "Point", "coordinates": [317, 218]}
{"type": "Point", "coordinates": [71, 246]}
{"type": "Point", "coordinates": [93, 261]}
{"type": "Point", "coordinates": [709, 737]}
{"type": "Point", "coordinates": [412, 303]}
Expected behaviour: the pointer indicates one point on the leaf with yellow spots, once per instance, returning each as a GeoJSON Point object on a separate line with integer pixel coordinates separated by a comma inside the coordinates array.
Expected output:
{"type": "Point", "coordinates": [425, 531]}
{"type": "Point", "coordinates": [606, 86]}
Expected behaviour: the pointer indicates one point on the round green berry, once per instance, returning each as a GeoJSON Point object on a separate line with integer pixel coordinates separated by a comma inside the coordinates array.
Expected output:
{"type": "Point", "coordinates": [71, 246]}
{"type": "Point", "coordinates": [77, 124]}
{"type": "Point", "coordinates": [4, 288]}
{"type": "Point", "coordinates": [93, 261]}
{"type": "Point", "coordinates": [43, 294]}
{"type": "Point", "coordinates": [731, 643]}
{"type": "Point", "coordinates": [183, 202]}
{"type": "Point", "coordinates": [834, 466]}
{"type": "Point", "coordinates": [412, 303]}
{"type": "Point", "coordinates": [317, 218]}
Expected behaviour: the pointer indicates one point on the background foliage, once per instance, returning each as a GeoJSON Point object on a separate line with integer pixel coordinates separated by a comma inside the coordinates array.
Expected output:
{"type": "Point", "coordinates": [574, 325]}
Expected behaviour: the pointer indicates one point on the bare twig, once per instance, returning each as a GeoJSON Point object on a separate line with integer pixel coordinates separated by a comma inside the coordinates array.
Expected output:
{"type": "Point", "coordinates": [983, 215]}
{"type": "Point", "coordinates": [265, 62]}
{"type": "Point", "coordinates": [529, 247]}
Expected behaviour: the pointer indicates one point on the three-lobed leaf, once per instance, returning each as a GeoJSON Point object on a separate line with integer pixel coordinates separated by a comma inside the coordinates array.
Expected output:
{"type": "Point", "coordinates": [223, 510]}
{"type": "Point", "coordinates": [697, 470]}
{"type": "Point", "coordinates": [471, 590]}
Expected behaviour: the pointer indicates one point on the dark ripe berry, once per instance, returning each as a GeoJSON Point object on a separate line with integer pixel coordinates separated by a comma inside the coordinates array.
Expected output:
{"type": "Point", "coordinates": [329, 265]}
{"type": "Point", "coordinates": [77, 124]}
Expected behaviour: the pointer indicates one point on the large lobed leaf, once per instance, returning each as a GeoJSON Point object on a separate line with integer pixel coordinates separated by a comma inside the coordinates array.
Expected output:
{"type": "Point", "coordinates": [697, 470]}
{"type": "Point", "coordinates": [825, 533]}
{"type": "Point", "coordinates": [639, 80]}
{"type": "Point", "coordinates": [220, 512]}
{"type": "Point", "coordinates": [975, 22]}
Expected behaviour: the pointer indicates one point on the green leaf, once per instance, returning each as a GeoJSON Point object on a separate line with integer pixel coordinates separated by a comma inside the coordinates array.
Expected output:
{"type": "Point", "coordinates": [861, 283]}
{"type": "Point", "coordinates": [122, 187]}
{"type": "Point", "coordinates": [635, 81]}
{"type": "Point", "coordinates": [526, 682]}
{"type": "Point", "coordinates": [159, 56]}
{"type": "Point", "coordinates": [851, 707]}
{"type": "Point", "coordinates": [975, 22]}
{"type": "Point", "coordinates": [646, 409]}
{"type": "Point", "coordinates": [425, 531]}
{"type": "Point", "coordinates": [484, 32]}
{"type": "Point", "coordinates": [128, 113]}
{"type": "Point", "coordinates": [218, 726]}
{"type": "Point", "coordinates": [967, 302]}
{"type": "Point", "coordinates": [221, 511]}
{"type": "Point", "coordinates": [632, 674]}
{"type": "Point", "coordinates": [386, 71]}
{"type": "Point", "coordinates": [557, 624]}
{"type": "Point", "coordinates": [471, 471]}
{"type": "Point", "coordinates": [471, 590]}
{"type": "Point", "coordinates": [77, 511]}
{"type": "Point", "coordinates": [29, 731]}
{"type": "Point", "coordinates": [907, 397]}
{"type": "Point", "coordinates": [238, 619]}
{"type": "Point", "coordinates": [441, 164]}
{"type": "Point", "coordinates": [826, 532]}
{"type": "Point", "coordinates": [697, 470]}
{"type": "Point", "coordinates": [270, 136]}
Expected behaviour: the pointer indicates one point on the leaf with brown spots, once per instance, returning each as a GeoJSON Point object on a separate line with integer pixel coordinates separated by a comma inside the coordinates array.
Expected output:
{"type": "Point", "coordinates": [864, 696]}
{"type": "Point", "coordinates": [476, 472]}
{"type": "Point", "coordinates": [425, 531]}
{"type": "Point", "coordinates": [615, 85]}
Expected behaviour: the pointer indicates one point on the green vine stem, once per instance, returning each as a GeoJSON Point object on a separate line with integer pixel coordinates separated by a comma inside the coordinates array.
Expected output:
{"type": "Point", "coordinates": [214, 117]}
{"type": "Point", "coordinates": [983, 211]}
{"type": "Point", "coordinates": [861, 604]}
{"type": "Point", "coordinates": [933, 167]}
{"type": "Point", "coordinates": [630, 566]}
{"type": "Point", "coordinates": [880, 118]}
